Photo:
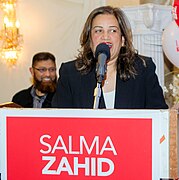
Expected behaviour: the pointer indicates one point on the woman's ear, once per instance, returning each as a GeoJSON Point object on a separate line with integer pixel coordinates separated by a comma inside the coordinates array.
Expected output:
{"type": "Point", "coordinates": [123, 41]}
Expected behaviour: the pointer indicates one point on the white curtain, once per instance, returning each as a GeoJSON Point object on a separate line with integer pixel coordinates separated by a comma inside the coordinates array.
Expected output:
{"type": "Point", "coordinates": [71, 18]}
{"type": "Point", "coordinates": [56, 25]}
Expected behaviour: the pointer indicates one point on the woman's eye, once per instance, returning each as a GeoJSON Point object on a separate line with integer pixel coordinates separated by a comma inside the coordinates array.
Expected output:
{"type": "Point", "coordinates": [98, 31]}
{"type": "Point", "coordinates": [113, 30]}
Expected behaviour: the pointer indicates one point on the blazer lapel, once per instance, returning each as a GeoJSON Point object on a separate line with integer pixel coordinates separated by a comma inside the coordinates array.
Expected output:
{"type": "Point", "coordinates": [117, 97]}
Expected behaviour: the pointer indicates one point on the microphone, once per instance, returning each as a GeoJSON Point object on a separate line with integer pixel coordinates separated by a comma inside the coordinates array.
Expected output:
{"type": "Point", "coordinates": [102, 54]}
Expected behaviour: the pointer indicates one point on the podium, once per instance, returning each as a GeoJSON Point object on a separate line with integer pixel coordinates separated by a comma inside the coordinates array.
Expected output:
{"type": "Point", "coordinates": [79, 144]}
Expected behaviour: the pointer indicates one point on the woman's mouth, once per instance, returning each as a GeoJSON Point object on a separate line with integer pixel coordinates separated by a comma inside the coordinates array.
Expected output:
{"type": "Point", "coordinates": [109, 44]}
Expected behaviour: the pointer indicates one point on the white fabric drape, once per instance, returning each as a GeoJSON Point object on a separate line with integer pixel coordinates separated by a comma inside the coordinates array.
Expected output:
{"type": "Point", "coordinates": [57, 25]}
{"type": "Point", "coordinates": [70, 24]}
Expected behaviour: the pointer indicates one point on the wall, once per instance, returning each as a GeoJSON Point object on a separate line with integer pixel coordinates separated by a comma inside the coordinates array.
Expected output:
{"type": "Point", "coordinates": [122, 3]}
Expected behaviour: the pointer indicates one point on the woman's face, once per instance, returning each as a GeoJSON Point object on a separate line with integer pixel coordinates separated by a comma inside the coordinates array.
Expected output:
{"type": "Point", "coordinates": [105, 29]}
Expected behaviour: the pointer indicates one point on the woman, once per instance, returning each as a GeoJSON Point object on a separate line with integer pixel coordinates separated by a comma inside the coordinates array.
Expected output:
{"type": "Point", "coordinates": [130, 80]}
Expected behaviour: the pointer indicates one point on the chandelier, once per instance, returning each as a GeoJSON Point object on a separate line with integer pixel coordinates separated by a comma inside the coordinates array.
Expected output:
{"type": "Point", "coordinates": [10, 37]}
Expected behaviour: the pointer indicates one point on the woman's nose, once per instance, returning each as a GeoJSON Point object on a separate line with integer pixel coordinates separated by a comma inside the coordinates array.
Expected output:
{"type": "Point", "coordinates": [105, 35]}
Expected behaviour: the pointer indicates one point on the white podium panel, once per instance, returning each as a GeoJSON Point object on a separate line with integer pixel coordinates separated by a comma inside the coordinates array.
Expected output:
{"type": "Point", "coordinates": [51, 144]}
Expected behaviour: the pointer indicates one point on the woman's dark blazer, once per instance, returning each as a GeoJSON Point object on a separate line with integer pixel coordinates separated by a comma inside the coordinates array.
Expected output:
{"type": "Point", "coordinates": [77, 91]}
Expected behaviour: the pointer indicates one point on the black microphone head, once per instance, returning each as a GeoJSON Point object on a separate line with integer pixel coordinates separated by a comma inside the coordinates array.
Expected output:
{"type": "Point", "coordinates": [102, 48]}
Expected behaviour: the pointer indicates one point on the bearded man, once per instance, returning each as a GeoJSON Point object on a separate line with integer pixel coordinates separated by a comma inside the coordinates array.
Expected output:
{"type": "Point", "coordinates": [44, 79]}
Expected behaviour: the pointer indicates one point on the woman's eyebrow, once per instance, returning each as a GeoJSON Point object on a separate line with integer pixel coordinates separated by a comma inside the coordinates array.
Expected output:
{"type": "Point", "coordinates": [97, 27]}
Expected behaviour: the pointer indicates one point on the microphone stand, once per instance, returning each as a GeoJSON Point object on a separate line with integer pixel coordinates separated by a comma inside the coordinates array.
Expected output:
{"type": "Point", "coordinates": [97, 95]}
{"type": "Point", "coordinates": [97, 90]}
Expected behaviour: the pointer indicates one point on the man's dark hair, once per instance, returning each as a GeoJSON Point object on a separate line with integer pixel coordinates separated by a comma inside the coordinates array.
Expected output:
{"type": "Point", "coordinates": [42, 56]}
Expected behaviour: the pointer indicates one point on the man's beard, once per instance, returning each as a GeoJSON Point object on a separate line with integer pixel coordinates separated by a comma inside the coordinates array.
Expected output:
{"type": "Point", "coordinates": [45, 87]}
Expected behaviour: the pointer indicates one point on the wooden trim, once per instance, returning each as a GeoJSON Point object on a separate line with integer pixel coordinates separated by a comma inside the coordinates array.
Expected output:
{"type": "Point", "coordinates": [173, 134]}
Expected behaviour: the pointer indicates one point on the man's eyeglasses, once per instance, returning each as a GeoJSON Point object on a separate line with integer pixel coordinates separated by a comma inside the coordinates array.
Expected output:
{"type": "Point", "coordinates": [43, 70]}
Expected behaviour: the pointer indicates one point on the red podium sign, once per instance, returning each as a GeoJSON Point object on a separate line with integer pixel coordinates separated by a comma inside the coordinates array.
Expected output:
{"type": "Point", "coordinates": [83, 144]}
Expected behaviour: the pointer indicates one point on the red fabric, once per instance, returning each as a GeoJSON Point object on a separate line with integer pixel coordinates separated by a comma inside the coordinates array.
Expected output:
{"type": "Point", "coordinates": [176, 11]}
